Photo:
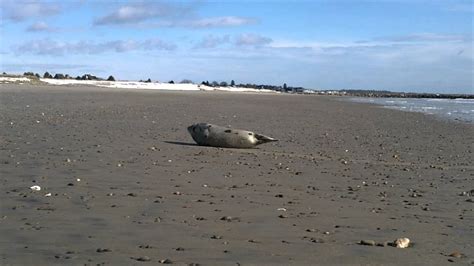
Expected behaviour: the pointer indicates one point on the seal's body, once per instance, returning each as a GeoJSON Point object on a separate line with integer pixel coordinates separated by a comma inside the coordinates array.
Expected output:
{"type": "Point", "coordinates": [216, 136]}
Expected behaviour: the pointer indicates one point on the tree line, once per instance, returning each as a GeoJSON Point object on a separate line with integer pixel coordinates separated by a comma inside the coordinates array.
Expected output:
{"type": "Point", "coordinates": [232, 83]}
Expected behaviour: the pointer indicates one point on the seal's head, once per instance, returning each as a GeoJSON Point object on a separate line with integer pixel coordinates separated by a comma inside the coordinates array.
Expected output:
{"type": "Point", "coordinates": [198, 128]}
{"type": "Point", "coordinates": [199, 132]}
{"type": "Point", "coordinates": [191, 129]}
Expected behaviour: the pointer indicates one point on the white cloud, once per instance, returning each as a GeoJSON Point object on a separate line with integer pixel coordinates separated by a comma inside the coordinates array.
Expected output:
{"type": "Point", "coordinates": [157, 15]}
{"type": "Point", "coordinates": [40, 26]}
{"type": "Point", "coordinates": [41, 66]}
{"type": "Point", "coordinates": [126, 14]}
{"type": "Point", "coordinates": [20, 10]}
{"type": "Point", "coordinates": [211, 41]}
{"type": "Point", "coordinates": [250, 39]}
{"type": "Point", "coordinates": [390, 47]}
{"type": "Point", "coordinates": [57, 48]}
{"type": "Point", "coordinates": [426, 37]}
{"type": "Point", "coordinates": [137, 13]}
{"type": "Point", "coordinates": [228, 21]}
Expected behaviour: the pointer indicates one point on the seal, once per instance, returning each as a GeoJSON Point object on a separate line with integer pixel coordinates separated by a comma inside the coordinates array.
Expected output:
{"type": "Point", "coordinates": [205, 134]}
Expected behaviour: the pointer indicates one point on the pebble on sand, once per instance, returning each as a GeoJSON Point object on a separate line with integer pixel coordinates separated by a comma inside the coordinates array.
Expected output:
{"type": "Point", "coordinates": [367, 242]}
{"type": "Point", "coordinates": [230, 219]}
{"type": "Point", "coordinates": [456, 254]}
{"type": "Point", "coordinates": [142, 258]}
{"type": "Point", "coordinates": [402, 242]}
{"type": "Point", "coordinates": [35, 188]}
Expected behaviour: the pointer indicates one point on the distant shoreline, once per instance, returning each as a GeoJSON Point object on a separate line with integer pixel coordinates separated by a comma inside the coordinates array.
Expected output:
{"type": "Point", "coordinates": [66, 80]}
{"type": "Point", "coordinates": [383, 94]}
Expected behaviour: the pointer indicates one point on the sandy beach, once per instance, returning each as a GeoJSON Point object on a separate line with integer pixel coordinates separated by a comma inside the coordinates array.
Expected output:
{"type": "Point", "coordinates": [129, 186]}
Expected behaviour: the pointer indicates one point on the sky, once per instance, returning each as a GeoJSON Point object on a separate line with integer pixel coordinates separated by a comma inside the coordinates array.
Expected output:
{"type": "Point", "coordinates": [398, 45]}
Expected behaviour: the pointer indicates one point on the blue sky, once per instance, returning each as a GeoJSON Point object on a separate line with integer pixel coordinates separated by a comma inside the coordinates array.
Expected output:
{"type": "Point", "coordinates": [400, 45]}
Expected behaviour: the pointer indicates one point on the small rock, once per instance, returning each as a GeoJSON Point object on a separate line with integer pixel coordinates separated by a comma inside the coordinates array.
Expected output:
{"type": "Point", "coordinates": [317, 240]}
{"type": "Point", "coordinates": [456, 254]}
{"type": "Point", "coordinates": [229, 218]}
{"type": "Point", "coordinates": [166, 261]}
{"type": "Point", "coordinates": [102, 250]}
{"type": "Point", "coordinates": [46, 208]}
{"type": "Point", "coordinates": [35, 188]}
{"type": "Point", "coordinates": [142, 258]}
{"type": "Point", "coordinates": [402, 242]}
{"type": "Point", "coordinates": [132, 194]}
{"type": "Point", "coordinates": [367, 242]}
{"type": "Point", "coordinates": [282, 216]}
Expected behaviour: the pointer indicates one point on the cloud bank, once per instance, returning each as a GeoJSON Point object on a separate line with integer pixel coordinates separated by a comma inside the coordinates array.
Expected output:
{"type": "Point", "coordinates": [40, 26]}
{"type": "Point", "coordinates": [250, 39]}
{"type": "Point", "coordinates": [18, 10]}
{"type": "Point", "coordinates": [156, 15]}
{"type": "Point", "coordinates": [129, 14]}
{"type": "Point", "coordinates": [57, 48]}
{"type": "Point", "coordinates": [211, 41]}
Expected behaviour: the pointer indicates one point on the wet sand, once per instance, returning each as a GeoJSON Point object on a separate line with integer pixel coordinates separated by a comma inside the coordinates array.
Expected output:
{"type": "Point", "coordinates": [129, 187]}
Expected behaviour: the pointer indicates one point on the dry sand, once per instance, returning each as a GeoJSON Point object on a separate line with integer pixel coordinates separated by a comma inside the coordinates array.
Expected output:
{"type": "Point", "coordinates": [344, 172]}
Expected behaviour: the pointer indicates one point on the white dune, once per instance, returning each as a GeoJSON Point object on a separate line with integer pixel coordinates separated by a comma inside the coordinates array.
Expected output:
{"type": "Point", "coordinates": [150, 85]}
{"type": "Point", "coordinates": [12, 79]}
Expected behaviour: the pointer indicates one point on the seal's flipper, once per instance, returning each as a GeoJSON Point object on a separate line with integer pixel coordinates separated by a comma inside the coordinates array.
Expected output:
{"type": "Point", "coordinates": [263, 139]}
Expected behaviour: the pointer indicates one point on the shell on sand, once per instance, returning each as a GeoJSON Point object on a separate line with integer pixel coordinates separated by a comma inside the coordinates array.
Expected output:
{"type": "Point", "coordinates": [402, 242]}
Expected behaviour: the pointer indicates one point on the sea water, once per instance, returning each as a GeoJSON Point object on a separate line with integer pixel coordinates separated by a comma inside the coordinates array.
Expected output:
{"type": "Point", "coordinates": [455, 109]}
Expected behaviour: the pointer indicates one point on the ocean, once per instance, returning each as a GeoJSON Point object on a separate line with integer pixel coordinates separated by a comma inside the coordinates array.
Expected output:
{"type": "Point", "coordinates": [454, 109]}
